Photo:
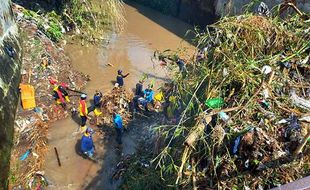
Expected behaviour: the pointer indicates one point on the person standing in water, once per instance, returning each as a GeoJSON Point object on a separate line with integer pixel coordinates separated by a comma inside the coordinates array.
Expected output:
{"type": "Point", "coordinates": [87, 143]}
{"type": "Point", "coordinates": [118, 125]}
{"type": "Point", "coordinates": [97, 106]}
{"type": "Point", "coordinates": [83, 112]}
{"type": "Point", "coordinates": [120, 78]}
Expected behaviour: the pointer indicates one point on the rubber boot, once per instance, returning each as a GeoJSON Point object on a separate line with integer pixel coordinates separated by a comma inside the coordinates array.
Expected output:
{"type": "Point", "coordinates": [58, 101]}
{"type": "Point", "coordinates": [97, 112]}
{"type": "Point", "coordinates": [67, 98]}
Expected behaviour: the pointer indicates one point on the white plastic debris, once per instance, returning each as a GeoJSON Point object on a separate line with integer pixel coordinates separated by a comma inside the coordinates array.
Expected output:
{"type": "Point", "coordinates": [300, 102]}
{"type": "Point", "coordinates": [305, 118]}
{"type": "Point", "coordinates": [266, 69]}
{"type": "Point", "coordinates": [35, 155]}
{"type": "Point", "coordinates": [266, 93]}
{"type": "Point", "coordinates": [246, 164]}
{"type": "Point", "coordinates": [282, 121]}
{"type": "Point", "coordinates": [225, 72]}
{"type": "Point", "coordinates": [263, 10]}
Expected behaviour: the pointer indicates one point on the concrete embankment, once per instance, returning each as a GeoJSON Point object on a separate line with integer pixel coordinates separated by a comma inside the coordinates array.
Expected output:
{"type": "Point", "coordinates": [204, 12]}
{"type": "Point", "coordinates": [10, 63]}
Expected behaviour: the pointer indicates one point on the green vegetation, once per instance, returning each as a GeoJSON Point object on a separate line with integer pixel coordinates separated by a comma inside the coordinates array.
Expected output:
{"type": "Point", "coordinates": [198, 149]}
{"type": "Point", "coordinates": [87, 19]}
{"type": "Point", "coordinates": [50, 24]}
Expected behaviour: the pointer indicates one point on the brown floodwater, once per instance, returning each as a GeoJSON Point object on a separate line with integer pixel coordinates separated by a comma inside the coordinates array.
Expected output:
{"type": "Point", "coordinates": [131, 50]}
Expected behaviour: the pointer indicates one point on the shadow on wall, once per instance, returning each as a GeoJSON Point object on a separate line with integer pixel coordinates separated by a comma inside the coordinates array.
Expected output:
{"type": "Point", "coordinates": [196, 12]}
{"type": "Point", "coordinates": [41, 5]}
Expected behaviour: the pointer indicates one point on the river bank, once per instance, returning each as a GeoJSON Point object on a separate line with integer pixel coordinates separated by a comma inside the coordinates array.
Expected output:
{"type": "Point", "coordinates": [42, 59]}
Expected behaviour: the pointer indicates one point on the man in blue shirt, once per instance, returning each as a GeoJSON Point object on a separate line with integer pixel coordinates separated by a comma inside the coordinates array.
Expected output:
{"type": "Point", "coordinates": [118, 125]}
{"type": "Point", "coordinates": [181, 65]}
{"type": "Point", "coordinates": [120, 78]}
{"type": "Point", "coordinates": [97, 99]}
{"type": "Point", "coordinates": [87, 143]}
{"type": "Point", "coordinates": [149, 94]}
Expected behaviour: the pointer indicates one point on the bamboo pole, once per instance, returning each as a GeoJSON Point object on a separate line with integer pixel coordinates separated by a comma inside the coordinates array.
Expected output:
{"type": "Point", "coordinates": [194, 174]}
{"type": "Point", "coordinates": [190, 143]}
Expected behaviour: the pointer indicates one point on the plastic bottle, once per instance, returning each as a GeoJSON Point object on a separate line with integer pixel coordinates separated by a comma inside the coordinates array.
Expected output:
{"type": "Point", "coordinates": [215, 103]}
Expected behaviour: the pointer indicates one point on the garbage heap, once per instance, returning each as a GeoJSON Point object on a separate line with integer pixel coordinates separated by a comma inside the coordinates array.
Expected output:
{"type": "Point", "coordinates": [117, 100]}
{"type": "Point", "coordinates": [245, 98]}
{"type": "Point", "coordinates": [41, 59]}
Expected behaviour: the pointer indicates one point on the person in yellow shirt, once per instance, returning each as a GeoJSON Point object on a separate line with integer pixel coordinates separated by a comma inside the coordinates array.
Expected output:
{"type": "Point", "coordinates": [159, 99]}
{"type": "Point", "coordinates": [83, 112]}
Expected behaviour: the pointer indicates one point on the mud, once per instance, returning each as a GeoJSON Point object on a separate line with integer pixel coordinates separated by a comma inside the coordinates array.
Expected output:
{"type": "Point", "coordinates": [130, 51]}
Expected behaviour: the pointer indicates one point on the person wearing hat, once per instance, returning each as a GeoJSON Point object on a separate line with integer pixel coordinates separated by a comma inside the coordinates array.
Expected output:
{"type": "Point", "coordinates": [118, 125]}
{"type": "Point", "coordinates": [120, 78]}
{"type": "Point", "coordinates": [60, 93]}
{"type": "Point", "coordinates": [97, 103]}
{"type": "Point", "coordinates": [87, 143]}
{"type": "Point", "coordinates": [97, 106]}
{"type": "Point", "coordinates": [83, 111]}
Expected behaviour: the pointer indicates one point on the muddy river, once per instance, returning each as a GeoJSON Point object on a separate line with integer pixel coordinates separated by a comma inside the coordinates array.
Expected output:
{"type": "Point", "coordinates": [145, 31]}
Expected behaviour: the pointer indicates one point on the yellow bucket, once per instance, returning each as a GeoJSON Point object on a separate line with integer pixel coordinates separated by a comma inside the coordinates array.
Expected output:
{"type": "Point", "coordinates": [27, 96]}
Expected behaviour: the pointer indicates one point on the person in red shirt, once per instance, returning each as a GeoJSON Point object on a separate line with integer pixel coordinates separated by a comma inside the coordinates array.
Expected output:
{"type": "Point", "coordinates": [60, 93]}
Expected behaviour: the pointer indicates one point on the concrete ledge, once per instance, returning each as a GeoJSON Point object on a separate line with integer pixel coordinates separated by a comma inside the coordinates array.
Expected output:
{"type": "Point", "coordinates": [301, 184]}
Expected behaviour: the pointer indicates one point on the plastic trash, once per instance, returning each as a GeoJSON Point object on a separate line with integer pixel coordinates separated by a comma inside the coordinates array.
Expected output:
{"type": "Point", "coordinates": [27, 96]}
{"type": "Point", "coordinates": [264, 104]}
{"type": "Point", "coordinates": [225, 72]}
{"type": "Point", "coordinates": [224, 116]}
{"type": "Point", "coordinates": [300, 102]}
{"type": "Point", "coordinates": [282, 121]}
{"type": "Point", "coordinates": [266, 93]}
{"type": "Point", "coordinates": [266, 69]}
{"type": "Point", "coordinates": [286, 64]}
{"type": "Point", "coordinates": [247, 163]}
{"type": "Point", "coordinates": [293, 126]}
{"type": "Point", "coordinates": [38, 181]}
{"type": "Point", "coordinates": [305, 118]}
{"type": "Point", "coordinates": [236, 145]}
{"type": "Point", "coordinates": [215, 103]}
{"type": "Point", "coordinates": [25, 155]}
{"type": "Point", "coordinates": [263, 10]}
{"type": "Point", "coordinates": [9, 50]}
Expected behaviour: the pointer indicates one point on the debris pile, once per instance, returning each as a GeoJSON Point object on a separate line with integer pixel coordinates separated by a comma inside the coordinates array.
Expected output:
{"type": "Point", "coordinates": [116, 100]}
{"type": "Point", "coordinates": [42, 59]}
{"type": "Point", "coordinates": [245, 101]}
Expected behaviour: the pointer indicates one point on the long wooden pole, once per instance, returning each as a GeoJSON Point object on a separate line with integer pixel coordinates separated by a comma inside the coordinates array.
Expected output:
{"type": "Point", "coordinates": [57, 156]}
